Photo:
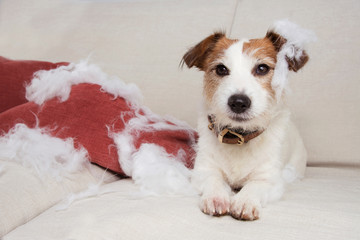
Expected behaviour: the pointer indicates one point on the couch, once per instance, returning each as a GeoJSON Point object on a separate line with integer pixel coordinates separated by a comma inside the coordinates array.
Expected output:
{"type": "Point", "coordinates": [142, 42]}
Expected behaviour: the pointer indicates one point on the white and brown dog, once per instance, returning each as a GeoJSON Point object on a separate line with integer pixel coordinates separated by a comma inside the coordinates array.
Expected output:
{"type": "Point", "coordinates": [247, 140]}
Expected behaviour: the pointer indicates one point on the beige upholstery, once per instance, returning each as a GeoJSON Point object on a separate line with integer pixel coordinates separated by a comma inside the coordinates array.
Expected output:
{"type": "Point", "coordinates": [24, 194]}
{"type": "Point", "coordinates": [319, 207]}
{"type": "Point", "coordinates": [143, 41]}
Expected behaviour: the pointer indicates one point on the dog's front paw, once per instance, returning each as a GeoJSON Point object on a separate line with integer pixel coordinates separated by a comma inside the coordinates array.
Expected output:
{"type": "Point", "coordinates": [215, 205]}
{"type": "Point", "coordinates": [244, 208]}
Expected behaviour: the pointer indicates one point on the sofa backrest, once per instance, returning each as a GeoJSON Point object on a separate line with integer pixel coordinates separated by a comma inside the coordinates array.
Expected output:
{"type": "Point", "coordinates": [145, 48]}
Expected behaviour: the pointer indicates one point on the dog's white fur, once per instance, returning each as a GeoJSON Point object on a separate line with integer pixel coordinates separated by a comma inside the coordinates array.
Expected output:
{"type": "Point", "coordinates": [261, 166]}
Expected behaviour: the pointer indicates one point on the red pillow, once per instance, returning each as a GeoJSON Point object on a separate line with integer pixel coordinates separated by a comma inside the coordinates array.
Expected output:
{"type": "Point", "coordinates": [13, 77]}
{"type": "Point", "coordinates": [86, 116]}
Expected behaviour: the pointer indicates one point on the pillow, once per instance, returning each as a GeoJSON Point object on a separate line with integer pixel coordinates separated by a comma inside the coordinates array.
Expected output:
{"type": "Point", "coordinates": [89, 111]}
{"type": "Point", "coordinates": [13, 77]}
{"type": "Point", "coordinates": [92, 116]}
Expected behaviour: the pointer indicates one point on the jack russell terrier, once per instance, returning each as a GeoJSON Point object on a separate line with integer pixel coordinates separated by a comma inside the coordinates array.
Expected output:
{"type": "Point", "coordinates": [248, 147]}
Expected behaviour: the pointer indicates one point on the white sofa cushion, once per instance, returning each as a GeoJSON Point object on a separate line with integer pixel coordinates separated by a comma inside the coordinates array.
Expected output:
{"type": "Point", "coordinates": [322, 206]}
{"type": "Point", "coordinates": [24, 194]}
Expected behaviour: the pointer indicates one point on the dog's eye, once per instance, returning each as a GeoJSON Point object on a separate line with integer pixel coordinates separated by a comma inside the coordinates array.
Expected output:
{"type": "Point", "coordinates": [221, 70]}
{"type": "Point", "coordinates": [262, 69]}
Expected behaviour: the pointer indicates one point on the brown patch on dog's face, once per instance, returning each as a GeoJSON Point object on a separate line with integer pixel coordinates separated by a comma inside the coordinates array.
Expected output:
{"type": "Point", "coordinates": [211, 78]}
{"type": "Point", "coordinates": [264, 53]}
{"type": "Point", "coordinates": [211, 83]}
{"type": "Point", "coordinates": [261, 49]}
{"type": "Point", "coordinates": [217, 52]}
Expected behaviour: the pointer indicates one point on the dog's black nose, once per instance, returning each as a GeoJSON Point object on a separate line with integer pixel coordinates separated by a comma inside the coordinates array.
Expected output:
{"type": "Point", "coordinates": [239, 103]}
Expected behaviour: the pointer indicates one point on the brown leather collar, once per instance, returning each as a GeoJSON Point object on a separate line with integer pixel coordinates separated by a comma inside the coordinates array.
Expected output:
{"type": "Point", "coordinates": [231, 136]}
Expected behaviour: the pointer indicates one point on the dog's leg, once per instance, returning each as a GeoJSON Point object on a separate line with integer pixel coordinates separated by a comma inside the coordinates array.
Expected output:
{"type": "Point", "coordinates": [247, 204]}
{"type": "Point", "coordinates": [215, 192]}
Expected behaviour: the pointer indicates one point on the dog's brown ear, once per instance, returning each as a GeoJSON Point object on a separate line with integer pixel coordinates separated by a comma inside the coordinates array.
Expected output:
{"type": "Point", "coordinates": [297, 62]}
{"type": "Point", "coordinates": [197, 55]}
{"type": "Point", "coordinates": [297, 59]}
{"type": "Point", "coordinates": [277, 40]}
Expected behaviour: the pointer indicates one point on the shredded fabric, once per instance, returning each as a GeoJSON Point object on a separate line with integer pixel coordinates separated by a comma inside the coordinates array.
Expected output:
{"type": "Point", "coordinates": [150, 166]}
{"type": "Point", "coordinates": [58, 82]}
{"type": "Point", "coordinates": [36, 149]}
{"type": "Point", "coordinates": [297, 38]}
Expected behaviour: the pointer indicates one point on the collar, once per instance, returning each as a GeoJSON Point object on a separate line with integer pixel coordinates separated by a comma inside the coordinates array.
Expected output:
{"type": "Point", "coordinates": [231, 136]}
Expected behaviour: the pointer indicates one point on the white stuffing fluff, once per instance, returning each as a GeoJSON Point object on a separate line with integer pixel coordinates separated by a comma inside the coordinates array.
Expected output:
{"type": "Point", "coordinates": [154, 170]}
{"type": "Point", "coordinates": [58, 82]}
{"type": "Point", "coordinates": [93, 190]}
{"type": "Point", "coordinates": [152, 161]}
{"type": "Point", "coordinates": [151, 167]}
{"type": "Point", "coordinates": [297, 38]}
{"type": "Point", "coordinates": [35, 148]}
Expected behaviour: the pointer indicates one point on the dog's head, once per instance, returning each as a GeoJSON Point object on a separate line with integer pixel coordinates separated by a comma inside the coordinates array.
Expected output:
{"type": "Point", "coordinates": [244, 79]}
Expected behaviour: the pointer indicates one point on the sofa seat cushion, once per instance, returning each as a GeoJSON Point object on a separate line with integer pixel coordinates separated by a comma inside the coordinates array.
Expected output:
{"type": "Point", "coordinates": [321, 206]}
{"type": "Point", "coordinates": [24, 195]}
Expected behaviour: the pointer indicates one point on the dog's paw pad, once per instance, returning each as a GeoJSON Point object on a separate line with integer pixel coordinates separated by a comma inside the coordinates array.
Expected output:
{"type": "Point", "coordinates": [215, 206]}
{"type": "Point", "coordinates": [245, 210]}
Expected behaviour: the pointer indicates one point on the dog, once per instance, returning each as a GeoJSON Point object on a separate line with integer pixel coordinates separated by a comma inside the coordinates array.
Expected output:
{"type": "Point", "coordinates": [248, 147]}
